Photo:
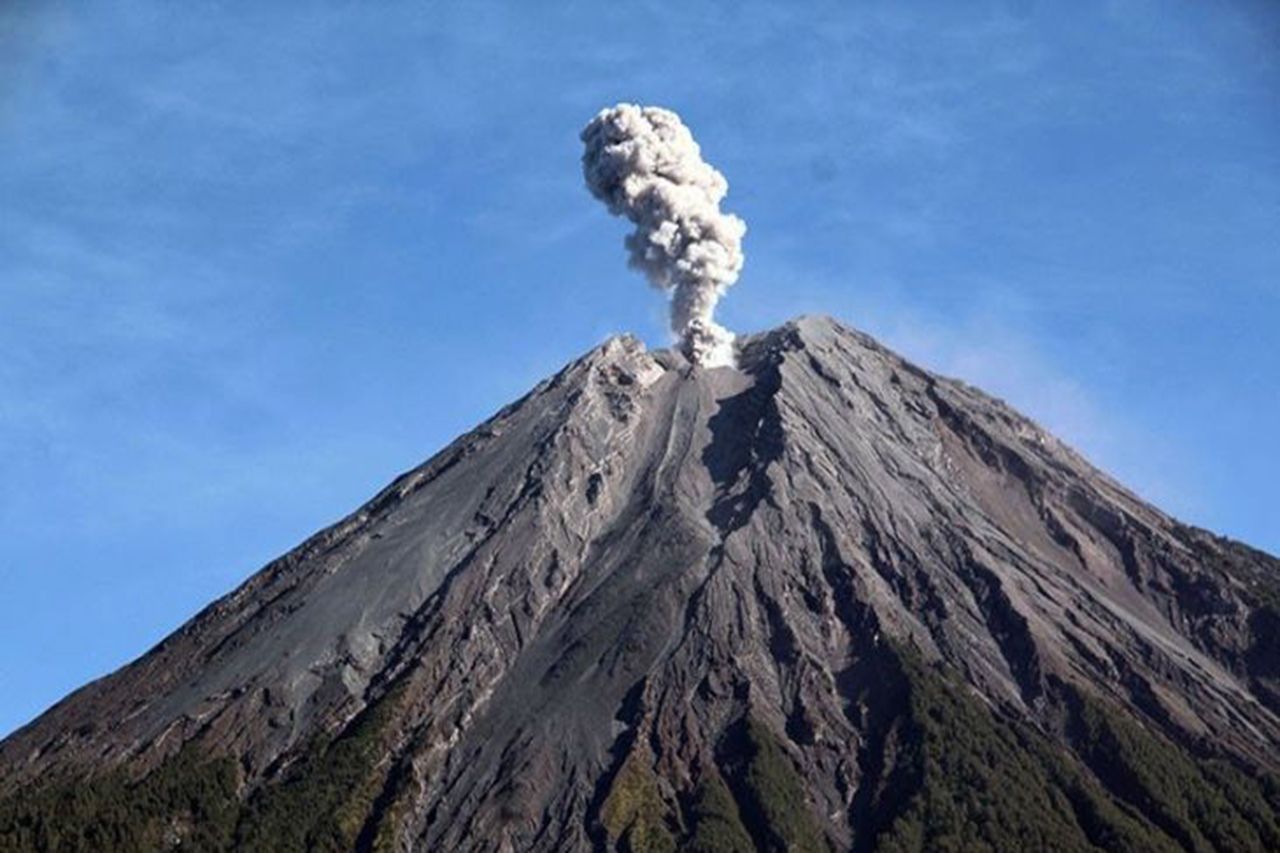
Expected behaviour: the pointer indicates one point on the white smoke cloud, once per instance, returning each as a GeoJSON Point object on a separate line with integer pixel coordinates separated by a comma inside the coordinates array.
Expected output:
{"type": "Point", "coordinates": [643, 163]}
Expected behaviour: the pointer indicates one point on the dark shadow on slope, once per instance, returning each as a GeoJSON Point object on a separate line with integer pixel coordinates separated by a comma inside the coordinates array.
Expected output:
{"type": "Point", "coordinates": [1007, 627]}
{"type": "Point", "coordinates": [890, 772]}
{"type": "Point", "coordinates": [875, 692]}
{"type": "Point", "coordinates": [746, 435]}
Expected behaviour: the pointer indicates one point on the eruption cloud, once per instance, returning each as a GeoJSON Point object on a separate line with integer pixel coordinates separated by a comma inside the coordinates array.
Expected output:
{"type": "Point", "coordinates": [644, 164]}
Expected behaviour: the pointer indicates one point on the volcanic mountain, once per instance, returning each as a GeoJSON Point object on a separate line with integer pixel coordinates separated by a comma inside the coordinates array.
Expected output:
{"type": "Point", "coordinates": [822, 600]}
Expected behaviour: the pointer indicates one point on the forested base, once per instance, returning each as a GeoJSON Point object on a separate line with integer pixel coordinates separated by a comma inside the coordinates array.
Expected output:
{"type": "Point", "coordinates": [1203, 805]}
{"type": "Point", "coordinates": [324, 803]}
{"type": "Point", "coordinates": [982, 783]}
{"type": "Point", "coordinates": [717, 826]}
{"type": "Point", "coordinates": [189, 800]}
{"type": "Point", "coordinates": [770, 791]}
{"type": "Point", "coordinates": [753, 799]}
{"type": "Point", "coordinates": [951, 776]}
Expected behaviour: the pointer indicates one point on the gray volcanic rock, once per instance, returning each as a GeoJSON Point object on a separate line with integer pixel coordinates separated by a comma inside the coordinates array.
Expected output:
{"type": "Point", "coordinates": [639, 558]}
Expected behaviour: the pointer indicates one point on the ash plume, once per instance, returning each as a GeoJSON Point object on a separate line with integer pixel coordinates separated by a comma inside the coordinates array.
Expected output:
{"type": "Point", "coordinates": [644, 164]}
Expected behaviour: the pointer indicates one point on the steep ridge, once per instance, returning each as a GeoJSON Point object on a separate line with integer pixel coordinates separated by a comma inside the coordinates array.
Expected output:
{"type": "Point", "coordinates": [825, 599]}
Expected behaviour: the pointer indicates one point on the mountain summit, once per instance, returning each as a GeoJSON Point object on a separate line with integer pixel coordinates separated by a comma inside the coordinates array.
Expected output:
{"type": "Point", "coordinates": [822, 600]}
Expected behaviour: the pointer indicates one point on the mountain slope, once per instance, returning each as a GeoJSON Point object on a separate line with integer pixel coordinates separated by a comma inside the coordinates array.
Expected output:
{"type": "Point", "coordinates": [826, 598]}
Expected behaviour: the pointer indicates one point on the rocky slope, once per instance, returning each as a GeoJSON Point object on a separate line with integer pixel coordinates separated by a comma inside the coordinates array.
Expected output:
{"type": "Point", "coordinates": [823, 600]}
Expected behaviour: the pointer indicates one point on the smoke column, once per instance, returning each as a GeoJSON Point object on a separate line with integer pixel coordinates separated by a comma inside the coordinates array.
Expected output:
{"type": "Point", "coordinates": [643, 163]}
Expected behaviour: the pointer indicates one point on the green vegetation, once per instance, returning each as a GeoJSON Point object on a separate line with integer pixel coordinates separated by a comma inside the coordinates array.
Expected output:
{"type": "Point", "coordinates": [192, 803]}
{"type": "Point", "coordinates": [717, 828]}
{"type": "Point", "coordinates": [984, 784]}
{"type": "Point", "coordinates": [328, 795]}
{"type": "Point", "coordinates": [1204, 806]}
{"type": "Point", "coordinates": [772, 794]}
{"type": "Point", "coordinates": [634, 813]}
{"type": "Point", "coordinates": [188, 800]}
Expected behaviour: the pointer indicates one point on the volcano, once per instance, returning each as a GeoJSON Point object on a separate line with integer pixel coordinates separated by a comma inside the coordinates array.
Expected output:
{"type": "Point", "coordinates": [822, 600]}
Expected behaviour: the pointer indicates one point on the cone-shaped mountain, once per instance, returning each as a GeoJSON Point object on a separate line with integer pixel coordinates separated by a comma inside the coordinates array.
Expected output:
{"type": "Point", "coordinates": [823, 600]}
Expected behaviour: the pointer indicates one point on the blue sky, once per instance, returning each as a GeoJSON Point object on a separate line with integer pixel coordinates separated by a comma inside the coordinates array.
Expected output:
{"type": "Point", "coordinates": [255, 261]}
